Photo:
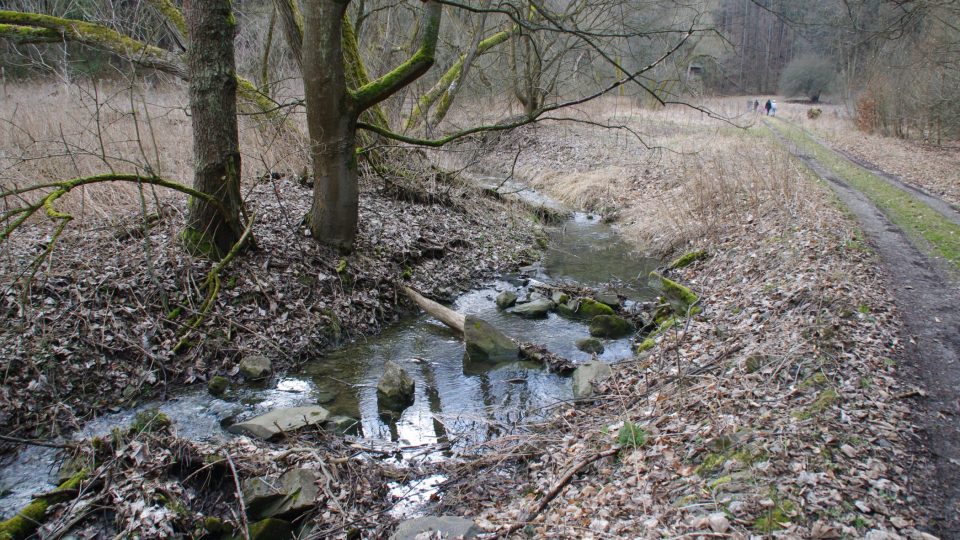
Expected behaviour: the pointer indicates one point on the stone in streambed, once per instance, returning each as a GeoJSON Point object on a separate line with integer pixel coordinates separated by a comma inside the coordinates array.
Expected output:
{"type": "Point", "coordinates": [280, 421]}
{"type": "Point", "coordinates": [559, 297]}
{"type": "Point", "coordinates": [535, 309]}
{"type": "Point", "coordinates": [590, 308]}
{"type": "Point", "coordinates": [342, 425]}
{"type": "Point", "coordinates": [506, 299]}
{"type": "Point", "coordinates": [217, 385]}
{"type": "Point", "coordinates": [610, 326]}
{"type": "Point", "coordinates": [254, 368]}
{"type": "Point", "coordinates": [436, 527]}
{"type": "Point", "coordinates": [486, 343]}
{"type": "Point", "coordinates": [289, 496]}
{"type": "Point", "coordinates": [608, 298]}
{"type": "Point", "coordinates": [396, 388]}
{"type": "Point", "coordinates": [586, 375]}
{"type": "Point", "coordinates": [590, 345]}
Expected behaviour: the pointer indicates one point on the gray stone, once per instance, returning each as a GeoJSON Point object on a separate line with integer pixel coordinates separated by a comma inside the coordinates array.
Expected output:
{"type": "Point", "coordinates": [270, 529]}
{"type": "Point", "coordinates": [448, 527]}
{"type": "Point", "coordinates": [395, 391]}
{"type": "Point", "coordinates": [559, 297]}
{"type": "Point", "coordinates": [217, 385]}
{"type": "Point", "coordinates": [484, 342]}
{"type": "Point", "coordinates": [280, 421]}
{"type": "Point", "coordinates": [535, 309]}
{"type": "Point", "coordinates": [343, 425]}
{"type": "Point", "coordinates": [609, 298]}
{"type": "Point", "coordinates": [610, 326]}
{"type": "Point", "coordinates": [294, 493]}
{"type": "Point", "coordinates": [506, 299]}
{"type": "Point", "coordinates": [255, 367]}
{"type": "Point", "coordinates": [586, 375]}
{"type": "Point", "coordinates": [590, 345]}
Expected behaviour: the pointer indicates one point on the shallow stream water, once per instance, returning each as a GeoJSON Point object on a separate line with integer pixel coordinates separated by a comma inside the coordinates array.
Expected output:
{"type": "Point", "coordinates": [458, 404]}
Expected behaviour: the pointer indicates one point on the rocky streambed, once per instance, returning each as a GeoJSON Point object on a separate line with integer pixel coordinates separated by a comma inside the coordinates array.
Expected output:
{"type": "Point", "coordinates": [583, 302]}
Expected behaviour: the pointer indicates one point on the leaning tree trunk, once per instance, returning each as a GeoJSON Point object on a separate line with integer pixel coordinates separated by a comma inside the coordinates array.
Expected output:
{"type": "Point", "coordinates": [332, 122]}
{"type": "Point", "coordinates": [211, 231]}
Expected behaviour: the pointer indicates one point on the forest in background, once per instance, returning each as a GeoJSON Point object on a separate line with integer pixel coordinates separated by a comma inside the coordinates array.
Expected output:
{"type": "Point", "coordinates": [892, 63]}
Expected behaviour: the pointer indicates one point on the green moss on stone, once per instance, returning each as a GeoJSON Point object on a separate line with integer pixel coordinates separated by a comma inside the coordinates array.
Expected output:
{"type": "Point", "coordinates": [676, 292]}
{"type": "Point", "coordinates": [610, 326]}
{"type": "Point", "coordinates": [688, 259]}
{"type": "Point", "coordinates": [646, 345]}
{"type": "Point", "coordinates": [218, 385]}
{"type": "Point", "coordinates": [590, 308]}
{"type": "Point", "coordinates": [149, 421]}
{"type": "Point", "coordinates": [23, 525]}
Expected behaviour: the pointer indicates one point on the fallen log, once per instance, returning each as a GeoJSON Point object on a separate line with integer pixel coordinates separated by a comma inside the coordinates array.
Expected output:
{"type": "Point", "coordinates": [486, 341]}
{"type": "Point", "coordinates": [443, 314]}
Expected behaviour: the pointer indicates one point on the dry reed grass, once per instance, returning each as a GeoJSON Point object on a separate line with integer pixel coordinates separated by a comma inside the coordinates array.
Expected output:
{"type": "Point", "coordinates": [693, 175]}
{"type": "Point", "coordinates": [55, 132]}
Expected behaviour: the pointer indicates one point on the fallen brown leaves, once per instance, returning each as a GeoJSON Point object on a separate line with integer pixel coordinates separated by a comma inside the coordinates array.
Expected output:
{"type": "Point", "coordinates": [799, 429]}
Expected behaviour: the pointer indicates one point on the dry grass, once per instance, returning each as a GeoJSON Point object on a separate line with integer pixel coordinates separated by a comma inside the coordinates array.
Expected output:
{"type": "Point", "coordinates": [55, 132]}
{"type": "Point", "coordinates": [672, 175]}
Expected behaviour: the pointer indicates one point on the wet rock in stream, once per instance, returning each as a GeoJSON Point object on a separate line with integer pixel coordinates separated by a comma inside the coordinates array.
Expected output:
{"type": "Point", "coordinates": [506, 299]}
{"type": "Point", "coordinates": [534, 309]}
{"type": "Point", "coordinates": [395, 390]}
{"type": "Point", "coordinates": [486, 343]}
{"type": "Point", "coordinates": [610, 326]}
{"type": "Point", "coordinates": [590, 345]}
{"type": "Point", "coordinates": [280, 421]}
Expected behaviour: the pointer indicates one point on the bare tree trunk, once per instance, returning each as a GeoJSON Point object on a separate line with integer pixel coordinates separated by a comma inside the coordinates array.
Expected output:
{"type": "Point", "coordinates": [331, 120]}
{"type": "Point", "coordinates": [333, 110]}
{"type": "Point", "coordinates": [213, 103]}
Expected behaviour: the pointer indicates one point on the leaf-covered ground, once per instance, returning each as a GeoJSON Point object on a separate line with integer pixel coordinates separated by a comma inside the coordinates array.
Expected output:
{"type": "Point", "coordinates": [780, 410]}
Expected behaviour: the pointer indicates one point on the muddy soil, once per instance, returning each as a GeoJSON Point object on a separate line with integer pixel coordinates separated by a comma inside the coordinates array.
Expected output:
{"type": "Point", "coordinates": [928, 300]}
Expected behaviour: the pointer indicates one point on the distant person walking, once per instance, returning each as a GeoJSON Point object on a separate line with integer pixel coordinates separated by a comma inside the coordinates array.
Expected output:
{"type": "Point", "coordinates": [768, 106]}
{"type": "Point", "coordinates": [773, 107]}
{"type": "Point", "coordinates": [756, 105]}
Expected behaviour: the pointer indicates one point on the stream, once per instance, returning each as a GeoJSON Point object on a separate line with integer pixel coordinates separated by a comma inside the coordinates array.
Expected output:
{"type": "Point", "coordinates": [458, 405]}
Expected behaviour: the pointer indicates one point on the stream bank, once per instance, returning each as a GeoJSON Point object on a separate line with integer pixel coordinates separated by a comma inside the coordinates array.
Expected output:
{"type": "Point", "coordinates": [458, 406]}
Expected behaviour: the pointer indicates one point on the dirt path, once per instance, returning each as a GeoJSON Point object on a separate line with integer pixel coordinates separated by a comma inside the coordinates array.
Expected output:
{"type": "Point", "coordinates": [928, 301]}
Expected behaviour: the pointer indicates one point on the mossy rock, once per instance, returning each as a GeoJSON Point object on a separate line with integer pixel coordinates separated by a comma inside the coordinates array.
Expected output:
{"type": "Point", "coordinates": [590, 308]}
{"type": "Point", "coordinates": [590, 345]}
{"type": "Point", "coordinates": [679, 296]}
{"type": "Point", "coordinates": [217, 385]}
{"type": "Point", "coordinates": [149, 421]}
{"type": "Point", "coordinates": [688, 259]}
{"type": "Point", "coordinates": [610, 326]}
{"type": "Point", "coordinates": [506, 299]}
{"type": "Point", "coordinates": [646, 345]}
{"type": "Point", "coordinates": [27, 520]}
